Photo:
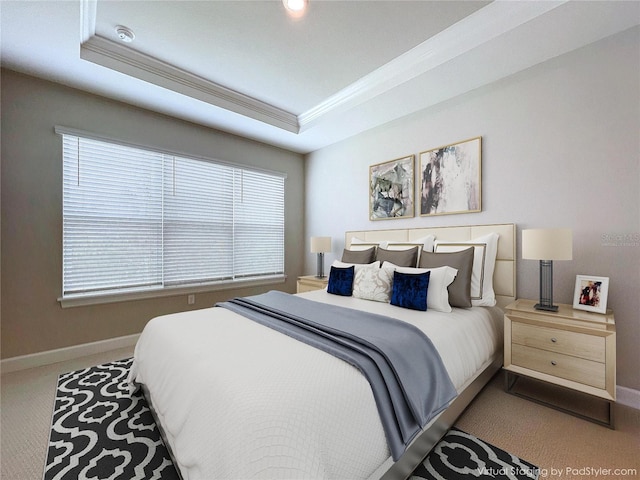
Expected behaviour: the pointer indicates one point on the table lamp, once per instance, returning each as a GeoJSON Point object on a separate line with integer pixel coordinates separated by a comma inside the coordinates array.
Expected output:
{"type": "Point", "coordinates": [546, 245]}
{"type": "Point", "coordinates": [320, 245]}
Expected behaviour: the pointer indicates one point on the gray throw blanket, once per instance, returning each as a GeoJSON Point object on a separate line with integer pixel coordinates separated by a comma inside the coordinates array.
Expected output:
{"type": "Point", "coordinates": [409, 381]}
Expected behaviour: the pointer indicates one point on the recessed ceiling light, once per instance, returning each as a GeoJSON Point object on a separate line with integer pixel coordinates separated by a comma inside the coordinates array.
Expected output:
{"type": "Point", "coordinates": [295, 8]}
{"type": "Point", "coordinates": [125, 34]}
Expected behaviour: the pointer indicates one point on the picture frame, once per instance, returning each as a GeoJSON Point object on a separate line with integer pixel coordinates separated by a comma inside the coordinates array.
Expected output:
{"type": "Point", "coordinates": [591, 293]}
{"type": "Point", "coordinates": [451, 178]}
{"type": "Point", "coordinates": [391, 189]}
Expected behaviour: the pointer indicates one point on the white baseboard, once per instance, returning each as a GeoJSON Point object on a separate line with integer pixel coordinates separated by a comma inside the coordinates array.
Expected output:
{"type": "Point", "coordinates": [39, 359]}
{"type": "Point", "coordinates": [628, 396]}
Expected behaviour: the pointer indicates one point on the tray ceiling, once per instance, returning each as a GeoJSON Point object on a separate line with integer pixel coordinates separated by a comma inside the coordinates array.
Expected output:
{"type": "Point", "coordinates": [248, 68]}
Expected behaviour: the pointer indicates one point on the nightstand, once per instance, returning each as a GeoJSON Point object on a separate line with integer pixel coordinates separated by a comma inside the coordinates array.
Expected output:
{"type": "Point", "coordinates": [311, 282]}
{"type": "Point", "coordinates": [569, 348]}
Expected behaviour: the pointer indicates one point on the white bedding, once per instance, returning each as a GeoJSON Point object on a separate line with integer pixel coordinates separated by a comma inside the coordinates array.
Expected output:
{"type": "Point", "coordinates": [237, 400]}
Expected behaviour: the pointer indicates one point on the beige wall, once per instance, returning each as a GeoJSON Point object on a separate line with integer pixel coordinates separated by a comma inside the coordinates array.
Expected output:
{"type": "Point", "coordinates": [32, 319]}
{"type": "Point", "coordinates": [561, 148]}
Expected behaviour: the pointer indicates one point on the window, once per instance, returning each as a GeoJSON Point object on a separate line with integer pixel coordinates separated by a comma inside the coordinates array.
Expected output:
{"type": "Point", "coordinates": [138, 220]}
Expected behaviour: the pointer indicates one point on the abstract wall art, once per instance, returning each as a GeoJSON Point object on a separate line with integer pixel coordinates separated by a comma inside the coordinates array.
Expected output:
{"type": "Point", "coordinates": [391, 186]}
{"type": "Point", "coordinates": [451, 179]}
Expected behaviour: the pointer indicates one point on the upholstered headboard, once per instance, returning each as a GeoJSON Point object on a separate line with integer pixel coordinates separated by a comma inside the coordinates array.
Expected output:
{"type": "Point", "coordinates": [504, 276]}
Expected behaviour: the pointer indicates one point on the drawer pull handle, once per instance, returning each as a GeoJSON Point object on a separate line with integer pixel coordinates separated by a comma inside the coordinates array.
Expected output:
{"type": "Point", "coordinates": [554, 339]}
{"type": "Point", "coordinates": [554, 363]}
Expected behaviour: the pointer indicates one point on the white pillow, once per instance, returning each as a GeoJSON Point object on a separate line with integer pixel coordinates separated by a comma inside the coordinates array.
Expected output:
{"type": "Point", "coordinates": [439, 281]}
{"type": "Point", "coordinates": [427, 242]}
{"type": "Point", "coordinates": [484, 261]}
{"type": "Point", "coordinates": [358, 266]}
{"type": "Point", "coordinates": [357, 244]}
{"type": "Point", "coordinates": [371, 282]}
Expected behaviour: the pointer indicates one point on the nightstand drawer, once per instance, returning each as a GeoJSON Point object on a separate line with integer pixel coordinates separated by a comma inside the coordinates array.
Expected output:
{"type": "Point", "coordinates": [590, 347]}
{"type": "Point", "coordinates": [568, 367]}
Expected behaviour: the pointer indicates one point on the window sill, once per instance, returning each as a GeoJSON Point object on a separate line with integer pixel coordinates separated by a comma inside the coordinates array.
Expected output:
{"type": "Point", "coordinates": [97, 299]}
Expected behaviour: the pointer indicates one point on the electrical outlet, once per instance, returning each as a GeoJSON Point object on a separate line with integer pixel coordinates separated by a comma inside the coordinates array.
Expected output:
{"type": "Point", "coordinates": [191, 299]}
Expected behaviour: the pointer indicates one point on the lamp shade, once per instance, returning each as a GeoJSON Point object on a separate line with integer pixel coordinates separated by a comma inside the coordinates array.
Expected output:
{"type": "Point", "coordinates": [320, 244]}
{"type": "Point", "coordinates": [547, 244]}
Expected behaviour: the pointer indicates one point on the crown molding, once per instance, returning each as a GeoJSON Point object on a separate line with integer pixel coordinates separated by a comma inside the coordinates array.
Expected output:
{"type": "Point", "coordinates": [484, 25]}
{"type": "Point", "coordinates": [478, 28]}
{"type": "Point", "coordinates": [115, 56]}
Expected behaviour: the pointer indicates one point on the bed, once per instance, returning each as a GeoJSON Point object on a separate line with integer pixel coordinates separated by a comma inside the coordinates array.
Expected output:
{"type": "Point", "coordinates": [235, 398]}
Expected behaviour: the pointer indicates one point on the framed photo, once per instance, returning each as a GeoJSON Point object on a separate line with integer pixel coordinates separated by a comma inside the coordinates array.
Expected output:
{"type": "Point", "coordinates": [391, 189]}
{"type": "Point", "coordinates": [591, 293]}
{"type": "Point", "coordinates": [451, 179]}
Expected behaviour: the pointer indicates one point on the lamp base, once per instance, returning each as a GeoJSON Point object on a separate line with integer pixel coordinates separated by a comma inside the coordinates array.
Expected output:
{"type": "Point", "coordinates": [546, 287]}
{"type": "Point", "coordinates": [547, 308]}
{"type": "Point", "coordinates": [320, 265]}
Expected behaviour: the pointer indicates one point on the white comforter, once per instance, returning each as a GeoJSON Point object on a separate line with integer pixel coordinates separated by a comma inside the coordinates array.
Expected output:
{"type": "Point", "coordinates": [237, 400]}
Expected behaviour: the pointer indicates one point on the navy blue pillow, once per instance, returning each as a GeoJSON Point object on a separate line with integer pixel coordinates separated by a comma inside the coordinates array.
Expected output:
{"type": "Point", "coordinates": [410, 290]}
{"type": "Point", "coordinates": [341, 281]}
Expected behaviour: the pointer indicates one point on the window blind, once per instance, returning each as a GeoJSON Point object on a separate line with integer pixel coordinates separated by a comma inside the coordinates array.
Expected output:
{"type": "Point", "coordinates": [137, 219]}
{"type": "Point", "coordinates": [258, 209]}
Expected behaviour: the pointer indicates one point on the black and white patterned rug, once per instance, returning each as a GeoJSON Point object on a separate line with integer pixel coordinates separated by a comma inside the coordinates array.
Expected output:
{"type": "Point", "coordinates": [460, 455]}
{"type": "Point", "coordinates": [100, 431]}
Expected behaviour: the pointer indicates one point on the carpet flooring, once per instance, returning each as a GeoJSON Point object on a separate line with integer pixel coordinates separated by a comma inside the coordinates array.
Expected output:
{"type": "Point", "coordinates": [100, 430]}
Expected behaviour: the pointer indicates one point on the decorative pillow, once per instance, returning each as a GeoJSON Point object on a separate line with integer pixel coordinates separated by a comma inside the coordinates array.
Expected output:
{"type": "Point", "coordinates": [460, 289]}
{"type": "Point", "coordinates": [410, 290]}
{"type": "Point", "coordinates": [373, 283]}
{"type": "Point", "coordinates": [341, 281]}
{"type": "Point", "coordinates": [440, 279]}
{"type": "Point", "coordinates": [403, 258]}
{"type": "Point", "coordinates": [484, 260]}
{"type": "Point", "coordinates": [359, 256]}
